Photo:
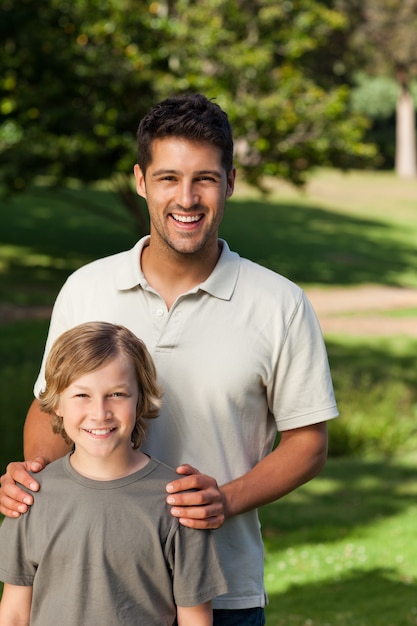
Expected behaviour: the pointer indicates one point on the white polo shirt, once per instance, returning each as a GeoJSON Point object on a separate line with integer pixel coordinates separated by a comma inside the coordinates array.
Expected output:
{"type": "Point", "coordinates": [239, 356]}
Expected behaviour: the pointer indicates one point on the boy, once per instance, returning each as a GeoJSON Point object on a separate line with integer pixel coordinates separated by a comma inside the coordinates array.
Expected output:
{"type": "Point", "coordinates": [99, 546]}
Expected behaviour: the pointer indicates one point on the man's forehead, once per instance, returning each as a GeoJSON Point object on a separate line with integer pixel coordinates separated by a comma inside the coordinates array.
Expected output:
{"type": "Point", "coordinates": [178, 152]}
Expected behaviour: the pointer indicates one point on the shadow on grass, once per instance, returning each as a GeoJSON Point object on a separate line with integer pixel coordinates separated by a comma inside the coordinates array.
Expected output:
{"type": "Point", "coordinates": [349, 493]}
{"type": "Point", "coordinates": [46, 234]}
{"type": "Point", "coordinates": [372, 598]}
{"type": "Point", "coordinates": [311, 245]}
{"type": "Point", "coordinates": [337, 508]}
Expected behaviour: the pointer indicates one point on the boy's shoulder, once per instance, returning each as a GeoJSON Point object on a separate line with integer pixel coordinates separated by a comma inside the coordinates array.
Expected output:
{"type": "Point", "coordinates": [51, 472]}
{"type": "Point", "coordinates": [163, 470]}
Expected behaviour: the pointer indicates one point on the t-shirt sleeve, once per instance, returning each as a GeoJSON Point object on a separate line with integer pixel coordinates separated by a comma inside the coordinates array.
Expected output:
{"type": "Point", "coordinates": [197, 575]}
{"type": "Point", "coordinates": [302, 391]}
{"type": "Point", "coordinates": [15, 566]}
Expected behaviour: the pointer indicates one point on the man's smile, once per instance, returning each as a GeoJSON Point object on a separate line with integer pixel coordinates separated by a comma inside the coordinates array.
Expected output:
{"type": "Point", "coordinates": [186, 219]}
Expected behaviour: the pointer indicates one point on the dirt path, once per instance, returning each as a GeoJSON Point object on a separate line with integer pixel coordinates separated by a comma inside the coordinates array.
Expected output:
{"type": "Point", "coordinates": [363, 311]}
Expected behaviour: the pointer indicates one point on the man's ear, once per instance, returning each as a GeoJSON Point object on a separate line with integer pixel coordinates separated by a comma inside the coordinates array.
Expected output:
{"type": "Point", "coordinates": [140, 181]}
{"type": "Point", "coordinates": [231, 177]}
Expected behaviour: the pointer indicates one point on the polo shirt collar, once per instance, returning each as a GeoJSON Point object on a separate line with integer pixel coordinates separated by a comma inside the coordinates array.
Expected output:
{"type": "Point", "coordinates": [220, 283]}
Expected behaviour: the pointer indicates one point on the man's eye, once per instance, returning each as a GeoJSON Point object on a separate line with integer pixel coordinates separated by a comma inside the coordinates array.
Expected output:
{"type": "Point", "coordinates": [209, 179]}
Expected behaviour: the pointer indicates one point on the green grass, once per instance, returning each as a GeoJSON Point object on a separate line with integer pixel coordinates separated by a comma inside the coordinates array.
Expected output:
{"type": "Point", "coordinates": [344, 230]}
{"type": "Point", "coordinates": [46, 234]}
{"type": "Point", "coordinates": [375, 382]}
{"type": "Point", "coordinates": [340, 551]}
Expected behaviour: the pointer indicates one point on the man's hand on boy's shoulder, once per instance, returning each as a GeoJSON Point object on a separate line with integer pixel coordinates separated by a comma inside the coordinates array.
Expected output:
{"type": "Point", "coordinates": [196, 499]}
{"type": "Point", "coordinates": [13, 499]}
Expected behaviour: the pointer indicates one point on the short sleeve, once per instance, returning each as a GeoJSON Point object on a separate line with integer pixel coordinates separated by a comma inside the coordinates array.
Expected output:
{"type": "Point", "coordinates": [15, 565]}
{"type": "Point", "coordinates": [197, 575]}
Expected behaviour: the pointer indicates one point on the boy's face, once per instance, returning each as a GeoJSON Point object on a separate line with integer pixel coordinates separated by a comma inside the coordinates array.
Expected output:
{"type": "Point", "coordinates": [186, 188]}
{"type": "Point", "coordinates": [99, 410]}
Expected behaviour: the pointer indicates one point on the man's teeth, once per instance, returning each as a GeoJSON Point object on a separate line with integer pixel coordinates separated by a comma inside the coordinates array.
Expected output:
{"type": "Point", "coordinates": [186, 218]}
{"type": "Point", "coordinates": [99, 431]}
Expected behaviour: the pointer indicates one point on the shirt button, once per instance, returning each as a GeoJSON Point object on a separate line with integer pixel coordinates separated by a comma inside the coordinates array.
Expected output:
{"type": "Point", "coordinates": [159, 312]}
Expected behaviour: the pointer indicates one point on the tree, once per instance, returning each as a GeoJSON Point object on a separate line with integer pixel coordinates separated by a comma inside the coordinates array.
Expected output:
{"type": "Point", "coordinates": [77, 76]}
{"type": "Point", "coordinates": [273, 66]}
{"type": "Point", "coordinates": [386, 39]}
{"type": "Point", "coordinates": [72, 88]}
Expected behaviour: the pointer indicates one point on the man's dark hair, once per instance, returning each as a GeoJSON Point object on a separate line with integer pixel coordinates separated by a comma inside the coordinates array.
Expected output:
{"type": "Point", "coordinates": [190, 116]}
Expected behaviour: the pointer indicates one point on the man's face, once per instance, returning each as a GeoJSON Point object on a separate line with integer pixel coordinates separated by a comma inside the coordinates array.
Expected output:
{"type": "Point", "coordinates": [186, 188]}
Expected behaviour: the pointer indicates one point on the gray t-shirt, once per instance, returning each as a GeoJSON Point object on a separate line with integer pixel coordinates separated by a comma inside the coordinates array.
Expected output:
{"type": "Point", "coordinates": [107, 552]}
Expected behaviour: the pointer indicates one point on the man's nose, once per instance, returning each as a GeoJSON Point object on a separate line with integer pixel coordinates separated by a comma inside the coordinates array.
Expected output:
{"type": "Point", "coordinates": [187, 195]}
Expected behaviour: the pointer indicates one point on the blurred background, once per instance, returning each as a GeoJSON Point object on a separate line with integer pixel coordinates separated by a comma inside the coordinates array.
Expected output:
{"type": "Point", "coordinates": [322, 98]}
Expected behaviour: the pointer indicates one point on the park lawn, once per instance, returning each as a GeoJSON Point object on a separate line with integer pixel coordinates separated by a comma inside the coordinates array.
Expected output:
{"type": "Point", "coordinates": [340, 551]}
{"type": "Point", "coordinates": [343, 229]}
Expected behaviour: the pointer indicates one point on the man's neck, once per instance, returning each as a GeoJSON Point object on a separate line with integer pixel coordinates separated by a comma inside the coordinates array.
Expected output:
{"type": "Point", "coordinates": [172, 274]}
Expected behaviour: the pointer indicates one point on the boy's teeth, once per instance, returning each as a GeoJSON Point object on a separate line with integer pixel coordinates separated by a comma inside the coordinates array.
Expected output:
{"type": "Point", "coordinates": [102, 431]}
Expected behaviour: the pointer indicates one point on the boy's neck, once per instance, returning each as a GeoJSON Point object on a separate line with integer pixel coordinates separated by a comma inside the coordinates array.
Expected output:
{"type": "Point", "coordinates": [108, 468]}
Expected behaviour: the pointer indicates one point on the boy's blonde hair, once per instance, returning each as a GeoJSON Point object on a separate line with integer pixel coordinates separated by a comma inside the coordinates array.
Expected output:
{"type": "Point", "coordinates": [89, 347]}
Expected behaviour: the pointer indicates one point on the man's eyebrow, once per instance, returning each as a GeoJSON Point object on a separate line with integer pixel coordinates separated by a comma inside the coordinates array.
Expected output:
{"type": "Point", "coordinates": [162, 172]}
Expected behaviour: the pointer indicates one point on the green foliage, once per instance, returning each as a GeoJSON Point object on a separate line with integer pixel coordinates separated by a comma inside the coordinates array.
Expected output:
{"type": "Point", "coordinates": [260, 61]}
{"type": "Point", "coordinates": [71, 88]}
{"type": "Point", "coordinates": [376, 96]}
{"type": "Point", "coordinates": [76, 77]}
{"type": "Point", "coordinates": [384, 36]}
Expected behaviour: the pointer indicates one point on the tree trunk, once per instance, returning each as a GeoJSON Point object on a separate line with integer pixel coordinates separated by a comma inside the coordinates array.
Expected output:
{"type": "Point", "coordinates": [405, 153]}
{"type": "Point", "coordinates": [135, 205]}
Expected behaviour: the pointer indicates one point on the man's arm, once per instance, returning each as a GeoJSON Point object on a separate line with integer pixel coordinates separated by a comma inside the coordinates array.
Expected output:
{"type": "Point", "coordinates": [15, 605]}
{"type": "Point", "coordinates": [41, 446]}
{"type": "Point", "coordinates": [39, 438]}
{"type": "Point", "coordinates": [300, 455]}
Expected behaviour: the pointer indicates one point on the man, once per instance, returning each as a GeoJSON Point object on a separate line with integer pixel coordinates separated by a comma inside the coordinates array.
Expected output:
{"type": "Point", "coordinates": [238, 350]}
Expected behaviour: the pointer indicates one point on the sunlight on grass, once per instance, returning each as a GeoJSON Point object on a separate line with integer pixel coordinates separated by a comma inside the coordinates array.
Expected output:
{"type": "Point", "coordinates": [343, 552]}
